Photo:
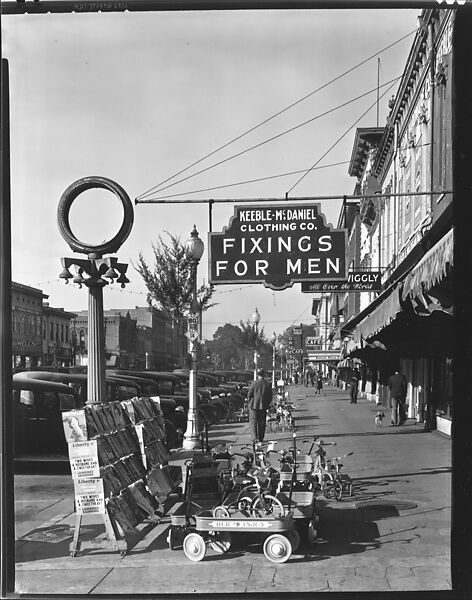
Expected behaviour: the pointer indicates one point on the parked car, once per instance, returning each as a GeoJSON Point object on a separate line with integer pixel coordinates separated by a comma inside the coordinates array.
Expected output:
{"type": "Point", "coordinates": [117, 389]}
{"type": "Point", "coordinates": [169, 385]}
{"type": "Point", "coordinates": [38, 407]}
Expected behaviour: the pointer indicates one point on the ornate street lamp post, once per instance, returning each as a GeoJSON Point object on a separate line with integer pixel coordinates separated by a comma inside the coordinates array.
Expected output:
{"type": "Point", "coordinates": [194, 248]}
{"type": "Point", "coordinates": [273, 340]}
{"type": "Point", "coordinates": [256, 317]}
{"type": "Point", "coordinates": [281, 349]}
{"type": "Point", "coordinates": [93, 272]}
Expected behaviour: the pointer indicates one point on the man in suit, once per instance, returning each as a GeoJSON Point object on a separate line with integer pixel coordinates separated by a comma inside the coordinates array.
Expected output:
{"type": "Point", "coordinates": [397, 387]}
{"type": "Point", "coordinates": [259, 398]}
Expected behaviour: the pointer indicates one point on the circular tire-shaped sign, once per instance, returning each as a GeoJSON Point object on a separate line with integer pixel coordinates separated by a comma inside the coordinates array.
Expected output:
{"type": "Point", "coordinates": [65, 203]}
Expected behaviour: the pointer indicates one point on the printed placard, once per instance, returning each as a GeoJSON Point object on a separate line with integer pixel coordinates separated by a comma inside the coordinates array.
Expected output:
{"type": "Point", "coordinates": [75, 426]}
{"type": "Point", "coordinates": [89, 496]}
{"type": "Point", "coordinates": [83, 458]}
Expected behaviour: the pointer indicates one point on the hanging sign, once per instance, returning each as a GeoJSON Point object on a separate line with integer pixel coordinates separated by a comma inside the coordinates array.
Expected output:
{"type": "Point", "coordinates": [89, 496]}
{"type": "Point", "coordinates": [277, 246]}
{"type": "Point", "coordinates": [357, 281]}
{"type": "Point", "coordinates": [324, 355]}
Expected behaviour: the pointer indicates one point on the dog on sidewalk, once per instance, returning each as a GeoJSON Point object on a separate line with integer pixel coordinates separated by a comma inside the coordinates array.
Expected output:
{"type": "Point", "coordinates": [379, 417]}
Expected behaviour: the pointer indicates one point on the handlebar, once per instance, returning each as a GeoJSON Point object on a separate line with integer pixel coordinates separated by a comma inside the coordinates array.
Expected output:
{"type": "Point", "coordinates": [338, 458]}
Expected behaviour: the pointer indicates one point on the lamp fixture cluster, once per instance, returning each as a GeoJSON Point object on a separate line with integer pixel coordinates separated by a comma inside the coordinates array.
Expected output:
{"type": "Point", "coordinates": [94, 271]}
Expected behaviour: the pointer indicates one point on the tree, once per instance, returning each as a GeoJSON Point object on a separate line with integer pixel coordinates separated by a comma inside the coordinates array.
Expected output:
{"type": "Point", "coordinates": [227, 348]}
{"type": "Point", "coordinates": [169, 281]}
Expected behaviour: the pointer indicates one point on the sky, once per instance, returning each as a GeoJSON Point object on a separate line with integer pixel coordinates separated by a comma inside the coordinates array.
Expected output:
{"type": "Point", "coordinates": [139, 97]}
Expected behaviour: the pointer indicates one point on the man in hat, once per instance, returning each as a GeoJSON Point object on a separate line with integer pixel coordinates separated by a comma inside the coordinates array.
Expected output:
{"type": "Point", "coordinates": [259, 398]}
{"type": "Point", "coordinates": [397, 386]}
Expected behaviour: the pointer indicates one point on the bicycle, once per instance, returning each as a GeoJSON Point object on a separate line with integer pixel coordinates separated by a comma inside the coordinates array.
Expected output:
{"type": "Point", "coordinates": [284, 417]}
{"type": "Point", "coordinates": [255, 499]}
{"type": "Point", "coordinates": [341, 481]}
{"type": "Point", "coordinates": [327, 483]}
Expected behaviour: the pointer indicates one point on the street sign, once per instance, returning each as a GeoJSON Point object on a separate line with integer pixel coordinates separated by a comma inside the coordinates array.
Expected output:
{"type": "Point", "coordinates": [193, 326]}
{"type": "Point", "coordinates": [277, 246]}
{"type": "Point", "coordinates": [292, 361]}
{"type": "Point", "coordinates": [192, 335]}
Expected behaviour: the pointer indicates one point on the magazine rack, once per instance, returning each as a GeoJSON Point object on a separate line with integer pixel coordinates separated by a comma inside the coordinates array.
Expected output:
{"type": "Point", "coordinates": [116, 538]}
{"type": "Point", "coordinates": [119, 464]}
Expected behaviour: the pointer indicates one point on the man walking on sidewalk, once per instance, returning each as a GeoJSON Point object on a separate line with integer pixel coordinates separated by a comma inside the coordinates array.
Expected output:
{"type": "Point", "coordinates": [397, 387]}
{"type": "Point", "coordinates": [259, 398]}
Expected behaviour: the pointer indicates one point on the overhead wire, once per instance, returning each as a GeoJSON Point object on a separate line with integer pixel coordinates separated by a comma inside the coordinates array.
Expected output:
{"type": "Point", "coordinates": [257, 180]}
{"type": "Point", "coordinates": [339, 139]}
{"type": "Point", "coordinates": [271, 139]}
{"type": "Point", "coordinates": [280, 112]}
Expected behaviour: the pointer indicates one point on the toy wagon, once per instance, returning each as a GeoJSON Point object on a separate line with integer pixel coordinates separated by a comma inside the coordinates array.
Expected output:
{"type": "Point", "coordinates": [205, 529]}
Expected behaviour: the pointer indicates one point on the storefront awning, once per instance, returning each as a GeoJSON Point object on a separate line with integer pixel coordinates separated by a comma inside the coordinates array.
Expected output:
{"type": "Point", "coordinates": [349, 363]}
{"type": "Point", "coordinates": [431, 268]}
{"type": "Point", "coordinates": [380, 317]}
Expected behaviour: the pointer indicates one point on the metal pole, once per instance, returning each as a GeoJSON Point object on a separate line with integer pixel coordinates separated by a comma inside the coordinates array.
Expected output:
{"type": "Point", "coordinates": [273, 366]}
{"type": "Point", "coordinates": [255, 353]}
{"type": "Point", "coordinates": [96, 383]}
{"type": "Point", "coordinates": [7, 522]}
{"type": "Point", "coordinates": [191, 437]}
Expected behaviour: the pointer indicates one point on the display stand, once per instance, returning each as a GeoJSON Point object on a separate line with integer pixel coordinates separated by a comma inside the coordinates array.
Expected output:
{"type": "Point", "coordinates": [115, 541]}
{"type": "Point", "coordinates": [119, 464]}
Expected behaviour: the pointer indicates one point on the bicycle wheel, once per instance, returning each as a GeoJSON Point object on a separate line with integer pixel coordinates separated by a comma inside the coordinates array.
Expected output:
{"type": "Point", "coordinates": [244, 503]}
{"type": "Point", "coordinates": [220, 512]}
{"type": "Point", "coordinates": [328, 489]}
{"type": "Point", "coordinates": [266, 504]}
{"type": "Point", "coordinates": [338, 489]}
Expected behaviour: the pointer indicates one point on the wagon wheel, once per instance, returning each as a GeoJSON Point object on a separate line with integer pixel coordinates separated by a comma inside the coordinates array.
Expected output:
{"type": "Point", "coordinates": [294, 539]}
{"type": "Point", "coordinates": [277, 548]}
{"type": "Point", "coordinates": [220, 512]}
{"type": "Point", "coordinates": [174, 538]}
{"type": "Point", "coordinates": [338, 490]}
{"type": "Point", "coordinates": [268, 505]}
{"type": "Point", "coordinates": [194, 547]}
{"type": "Point", "coordinates": [221, 542]}
{"type": "Point", "coordinates": [312, 533]}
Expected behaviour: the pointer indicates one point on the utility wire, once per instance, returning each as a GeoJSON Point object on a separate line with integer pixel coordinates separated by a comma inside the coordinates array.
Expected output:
{"type": "Point", "coordinates": [271, 139]}
{"type": "Point", "coordinates": [267, 178]}
{"type": "Point", "coordinates": [154, 188]}
{"type": "Point", "coordinates": [219, 187]}
{"type": "Point", "coordinates": [339, 139]}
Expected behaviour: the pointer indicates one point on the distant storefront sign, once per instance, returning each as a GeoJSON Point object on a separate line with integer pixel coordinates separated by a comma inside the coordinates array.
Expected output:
{"type": "Point", "coordinates": [277, 246]}
{"type": "Point", "coordinates": [312, 342]}
{"type": "Point", "coordinates": [358, 281]}
{"type": "Point", "coordinates": [324, 355]}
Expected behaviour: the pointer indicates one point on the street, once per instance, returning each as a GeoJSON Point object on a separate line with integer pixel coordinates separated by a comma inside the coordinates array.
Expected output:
{"type": "Point", "coordinates": [392, 534]}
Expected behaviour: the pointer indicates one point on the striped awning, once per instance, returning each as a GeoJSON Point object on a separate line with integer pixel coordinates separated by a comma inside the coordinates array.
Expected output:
{"type": "Point", "coordinates": [379, 318]}
{"type": "Point", "coordinates": [432, 268]}
{"type": "Point", "coordinates": [348, 363]}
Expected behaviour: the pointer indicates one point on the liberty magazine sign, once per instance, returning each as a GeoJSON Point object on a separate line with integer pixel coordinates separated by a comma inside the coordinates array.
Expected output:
{"type": "Point", "coordinates": [277, 245]}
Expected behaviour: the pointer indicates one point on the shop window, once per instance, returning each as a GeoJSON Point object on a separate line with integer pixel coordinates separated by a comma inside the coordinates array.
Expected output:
{"type": "Point", "coordinates": [444, 397]}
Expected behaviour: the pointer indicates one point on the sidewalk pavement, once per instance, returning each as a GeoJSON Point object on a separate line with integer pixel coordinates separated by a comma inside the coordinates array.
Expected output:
{"type": "Point", "coordinates": [392, 534]}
